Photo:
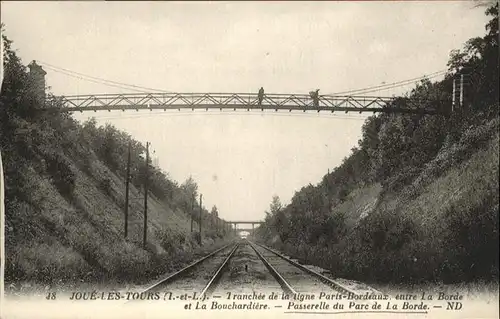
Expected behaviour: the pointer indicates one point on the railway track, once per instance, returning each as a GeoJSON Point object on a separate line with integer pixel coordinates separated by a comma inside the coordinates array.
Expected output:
{"type": "Point", "coordinates": [245, 266]}
{"type": "Point", "coordinates": [283, 262]}
{"type": "Point", "coordinates": [198, 277]}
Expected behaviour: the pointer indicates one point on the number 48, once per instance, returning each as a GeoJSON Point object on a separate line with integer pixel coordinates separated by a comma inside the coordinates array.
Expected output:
{"type": "Point", "coordinates": [51, 296]}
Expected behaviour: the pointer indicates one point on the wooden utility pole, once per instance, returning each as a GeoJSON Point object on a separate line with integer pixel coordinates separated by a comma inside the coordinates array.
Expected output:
{"type": "Point", "coordinates": [462, 90]}
{"type": "Point", "coordinates": [127, 189]}
{"type": "Point", "coordinates": [454, 95]}
{"type": "Point", "coordinates": [201, 209]}
{"type": "Point", "coordinates": [459, 87]}
{"type": "Point", "coordinates": [146, 177]}
{"type": "Point", "coordinates": [192, 211]}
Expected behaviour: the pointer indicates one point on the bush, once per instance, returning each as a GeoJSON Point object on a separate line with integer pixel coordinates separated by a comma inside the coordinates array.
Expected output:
{"type": "Point", "coordinates": [472, 240]}
{"type": "Point", "coordinates": [62, 174]}
{"type": "Point", "coordinates": [105, 185]}
{"type": "Point", "coordinates": [197, 237]}
{"type": "Point", "coordinates": [403, 178]}
{"type": "Point", "coordinates": [87, 165]}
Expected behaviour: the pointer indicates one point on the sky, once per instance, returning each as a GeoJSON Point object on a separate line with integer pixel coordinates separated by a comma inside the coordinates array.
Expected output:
{"type": "Point", "coordinates": [240, 159]}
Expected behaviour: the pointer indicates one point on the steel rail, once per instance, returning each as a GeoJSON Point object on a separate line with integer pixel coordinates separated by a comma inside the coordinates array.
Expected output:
{"type": "Point", "coordinates": [283, 283]}
{"type": "Point", "coordinates": [328, 281]}
{"type": "Point", "coordinates": [171, 277]}
{"type": "Point", "coordinates": [210, 286]}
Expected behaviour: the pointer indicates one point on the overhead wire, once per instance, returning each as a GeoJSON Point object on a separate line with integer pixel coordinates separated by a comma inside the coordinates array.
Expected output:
{"type": "Point", "coordinates": [399, 85]}
{"type": "Point", "coordinates": [137, 88]}
{"type": "Point", "coordinates": [98, 79]}
{"type": "Point", "coordinates": [94, 81]}
{"type": "Point", "coordinates": [392, 85]}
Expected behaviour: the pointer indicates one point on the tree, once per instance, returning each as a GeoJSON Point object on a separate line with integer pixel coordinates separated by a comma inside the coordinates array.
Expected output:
{"type": "Point", "coordinates": [16, 92]}
{"type": "Point", "coordinates": [214, 212]}
{"type": "Point", "coordinates": [275, 206]}
{"type": "Point", "coordinates": [190, 187]}
{"type": "Point", "coordinates": [478, 60]}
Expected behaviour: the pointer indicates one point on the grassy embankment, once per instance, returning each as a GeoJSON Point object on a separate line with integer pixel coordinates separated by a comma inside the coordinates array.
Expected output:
{"type": "Point", "coordinates": [442, 227]}
{"type": "Point", "coordinates": [55, 240]}
{"type": "Point", "coordinates": [65, 199]}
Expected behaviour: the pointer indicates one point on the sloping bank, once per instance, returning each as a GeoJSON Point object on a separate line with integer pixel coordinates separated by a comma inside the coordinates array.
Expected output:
{"type": "Point", "coordinates": [65, 216]}
{"type": "Point", "coordinates": [442, 227]}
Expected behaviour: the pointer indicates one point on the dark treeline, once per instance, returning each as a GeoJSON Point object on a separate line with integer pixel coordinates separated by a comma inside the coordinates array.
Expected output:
{"type": "Point", "coordinates": [55, 147]}
{"type": "Point", "coordinates": [403, 154]}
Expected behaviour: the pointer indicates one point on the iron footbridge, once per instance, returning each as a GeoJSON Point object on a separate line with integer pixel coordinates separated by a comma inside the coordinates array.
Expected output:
{"type": "Point", "coordinates": [246, 101]}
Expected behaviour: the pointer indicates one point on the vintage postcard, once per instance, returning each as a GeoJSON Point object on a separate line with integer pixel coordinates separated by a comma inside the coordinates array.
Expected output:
{"type": "Point", "coordinates": [232, 159]}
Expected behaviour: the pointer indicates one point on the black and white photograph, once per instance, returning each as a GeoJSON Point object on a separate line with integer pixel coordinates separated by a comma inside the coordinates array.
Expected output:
{"type": "Point", "coordinates": [249, 159]}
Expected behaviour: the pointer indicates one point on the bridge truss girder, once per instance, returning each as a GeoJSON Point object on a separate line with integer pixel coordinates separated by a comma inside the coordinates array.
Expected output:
{"type": "Point", "coordinates": [248, 101]}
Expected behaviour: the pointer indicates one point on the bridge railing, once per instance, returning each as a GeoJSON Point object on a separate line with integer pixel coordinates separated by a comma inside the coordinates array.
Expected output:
{"type": "Point", "coordinates": [247, 101]}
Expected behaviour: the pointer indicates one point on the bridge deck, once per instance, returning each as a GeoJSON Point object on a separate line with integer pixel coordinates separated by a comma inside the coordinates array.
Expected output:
{"type": "Point", "coordinates": [245, 222]}
{"type": "Point", "coordinates": [304, 102]}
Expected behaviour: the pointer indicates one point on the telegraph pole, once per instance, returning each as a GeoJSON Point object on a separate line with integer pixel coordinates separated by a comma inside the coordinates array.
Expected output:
{"type": "Point", "coordinates": [199, 223]}
{"type": "Point", "coordinates": [454, 96]}
{"type": "Point", "coordinates": [459, 86]}
{"type": "Point", "coordinates": [146, 177]}
{"type": "Point", "coordinates": [462, 90]}
{"type": "Point", "coordinates": [192, 211]}
{"type": "Point", "coordinates": [127, 189]}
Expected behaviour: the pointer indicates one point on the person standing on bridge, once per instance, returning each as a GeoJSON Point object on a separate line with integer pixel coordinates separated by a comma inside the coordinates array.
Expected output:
{"type": "Point", "coordinates": [261, 95]}
{"type": "Point", "coordinates": [315, 96]}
